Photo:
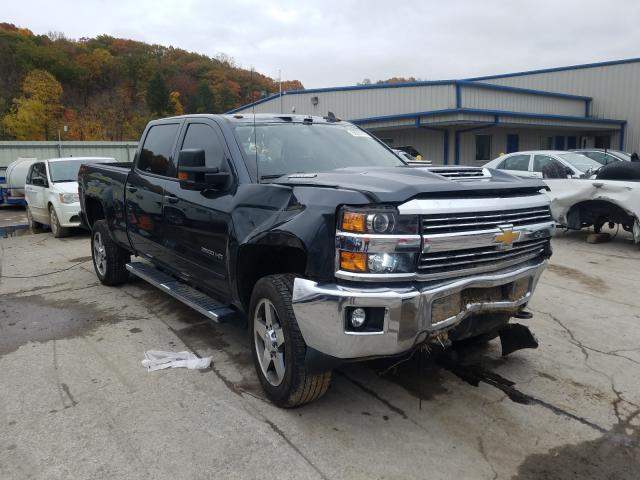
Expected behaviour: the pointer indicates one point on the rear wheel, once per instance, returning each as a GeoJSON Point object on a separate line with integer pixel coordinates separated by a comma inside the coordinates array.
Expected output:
{"type": "Point", "coordinates": [56, 229]}
{"type": "Point", "coordinates": [277, 346]}
{"type": "Point", "coordinates": [33, 225]}
{"type": "Point", "coordinates": [109, 259]}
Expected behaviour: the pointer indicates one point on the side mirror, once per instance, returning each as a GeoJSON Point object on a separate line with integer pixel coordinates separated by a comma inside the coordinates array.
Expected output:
{"type": "Point", "coordinates": [195, 175]}
{"type": "Point", "coordinates": [568, 171]}
{"type": "Point", "coordinates": [39, 182]}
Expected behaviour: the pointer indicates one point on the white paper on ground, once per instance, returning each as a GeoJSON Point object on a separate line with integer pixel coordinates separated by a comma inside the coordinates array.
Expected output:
{"type": "Point", "coordinates": [158, 360]}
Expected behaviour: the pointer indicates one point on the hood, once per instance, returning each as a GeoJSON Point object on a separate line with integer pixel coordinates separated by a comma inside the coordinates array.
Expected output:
{"type": "Point", "coordinates": [66, 187]}
{"type": "Point", "coordinates": [398, 184]}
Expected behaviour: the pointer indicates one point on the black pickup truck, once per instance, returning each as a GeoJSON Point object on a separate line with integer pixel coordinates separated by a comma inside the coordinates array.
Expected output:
{"type": "Point", "coordinates": [317, 237]}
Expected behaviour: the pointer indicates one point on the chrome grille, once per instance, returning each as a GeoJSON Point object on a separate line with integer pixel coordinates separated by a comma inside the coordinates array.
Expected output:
{"type": "Point", "coordinates": [462, 222]}
{"type": "Point", "coordinates": [459, 261]}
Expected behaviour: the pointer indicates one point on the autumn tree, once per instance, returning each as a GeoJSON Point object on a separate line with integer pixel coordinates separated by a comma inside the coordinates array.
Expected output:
{"type": "Point", "coordinates": [175, 107]}
{"type": "Point", "coordinates": [204, 100]}
{"type": "Point", "coordinates": [35, 115]}
{"type": "Point", "coordinates": [157, 95]}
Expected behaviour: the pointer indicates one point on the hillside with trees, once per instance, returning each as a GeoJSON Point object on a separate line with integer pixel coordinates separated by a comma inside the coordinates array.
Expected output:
{"type": "Point", "coordinates": [108, 88]}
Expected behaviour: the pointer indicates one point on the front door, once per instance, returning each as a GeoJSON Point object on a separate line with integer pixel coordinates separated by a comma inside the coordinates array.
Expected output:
{"type": "Point", "coordinates": [513, 143]}
{"type": "Point", "coordinates": [34, 191]}
{"type": "Point", "coordinates": [198, 223]}
{"type": "Point", "coordinates": [144, 192]}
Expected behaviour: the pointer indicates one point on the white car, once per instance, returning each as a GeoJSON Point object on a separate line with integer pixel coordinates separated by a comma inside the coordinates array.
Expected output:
{"type": "Point", "coordinates": [51, 193]}
{"type": "Point", "coordinates": [531, 163]}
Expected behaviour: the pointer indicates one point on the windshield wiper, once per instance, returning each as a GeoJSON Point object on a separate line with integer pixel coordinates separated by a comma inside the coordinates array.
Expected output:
{"type": "Point", "coordinates": [270, 177]}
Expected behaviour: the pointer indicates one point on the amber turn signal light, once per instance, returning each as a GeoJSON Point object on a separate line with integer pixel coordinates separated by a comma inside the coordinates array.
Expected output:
{"type": "Point", "coordinates": [183, 176]}
{"type": "Point", "coordinates": [353, 261]}
{"type": "Point", "coordinates": [353, 222]}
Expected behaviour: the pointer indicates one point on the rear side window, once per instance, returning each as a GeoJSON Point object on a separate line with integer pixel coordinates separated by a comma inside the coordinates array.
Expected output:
{"type": "Point", "coordinates": [200, 135]}
{"type": "Point", "coordinates": [156, 150]}
{"type": "Point", "coordinates": [515, 162]}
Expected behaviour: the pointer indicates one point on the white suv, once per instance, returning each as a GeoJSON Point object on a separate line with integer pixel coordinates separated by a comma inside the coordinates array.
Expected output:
{"type": "Point", "coordinates": [51, 193]}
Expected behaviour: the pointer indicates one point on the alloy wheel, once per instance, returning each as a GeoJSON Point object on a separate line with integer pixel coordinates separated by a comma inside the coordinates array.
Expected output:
{"type": "Point", "coordinates": [99, 254]}
{"type": "Point", "coordinates": [269, 341]}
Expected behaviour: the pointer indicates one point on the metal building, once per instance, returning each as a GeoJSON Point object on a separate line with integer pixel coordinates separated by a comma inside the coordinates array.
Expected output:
{"type": "Point", "coordinates": [12, 150]}
{"type": "Point", "coordinates": [474, 120]}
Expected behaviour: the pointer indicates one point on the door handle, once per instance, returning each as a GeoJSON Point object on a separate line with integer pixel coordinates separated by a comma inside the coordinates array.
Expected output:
{"type": "Point", "coordinates": [171, 198]}
{"type": "Point", "coordinates": [132, 189]}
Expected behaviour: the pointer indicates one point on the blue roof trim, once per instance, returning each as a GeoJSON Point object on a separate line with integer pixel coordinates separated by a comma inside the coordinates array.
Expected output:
{"type": "Point", "coordinates": [459, 84]}
{"type": "Point", "coordinates": [556, 69]}
{"type": "Point", "coordinates": [253, 104]}
{"type": "Point", "coordinates": [501, 113]}
{"type": "Point", "coordinates": [373, 86]}
{"type": "Point", "coordinates": [526, 91]}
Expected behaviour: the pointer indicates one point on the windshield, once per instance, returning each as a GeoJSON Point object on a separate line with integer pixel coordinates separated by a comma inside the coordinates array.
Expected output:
{"type": "Point", "coordinates": [580, 162]}
{"type": "Point", "coordinates": [67, 170]}
{"type": "Point", "coordinates": [281, 149]}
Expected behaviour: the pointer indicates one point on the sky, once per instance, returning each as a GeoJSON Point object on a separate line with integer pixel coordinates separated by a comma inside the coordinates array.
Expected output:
{"type": "Point", "coordinates": [341, 42]}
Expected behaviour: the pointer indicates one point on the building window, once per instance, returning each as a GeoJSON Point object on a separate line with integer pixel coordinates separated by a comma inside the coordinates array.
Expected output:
{"type": "Point", "coordinates": [546, 143]}
{"type": "Point", "coordinates": [602, 141]}
{"type": "Point", "coordinates": [483, 147]}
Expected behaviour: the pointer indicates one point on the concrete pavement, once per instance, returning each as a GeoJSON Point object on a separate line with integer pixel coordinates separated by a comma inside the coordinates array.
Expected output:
{"type": "Point", "coordinates": [75, 402]}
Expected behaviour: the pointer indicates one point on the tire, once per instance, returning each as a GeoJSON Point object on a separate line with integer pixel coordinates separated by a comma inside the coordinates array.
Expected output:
{"type": "Point", "coordinates": [54, 223]}
{"type": "Point", "coordinates": [33, 225]}
{"type": "Point", "coordinates": [109, 259]}
{"type": "Point", "coordinates": [289, 385]}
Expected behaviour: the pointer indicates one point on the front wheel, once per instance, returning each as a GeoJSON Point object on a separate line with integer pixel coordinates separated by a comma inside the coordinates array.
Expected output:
{"type": "Point", "coordinates": [109, 259]}
{"type": "Point", "coordinates": [277, 346]}
{"type": "Point", "coordinates": [56, 229]}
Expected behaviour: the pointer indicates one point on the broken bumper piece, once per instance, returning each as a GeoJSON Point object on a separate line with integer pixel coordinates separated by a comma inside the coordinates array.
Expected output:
{"type": "Point", "coordinates": [398, 318]}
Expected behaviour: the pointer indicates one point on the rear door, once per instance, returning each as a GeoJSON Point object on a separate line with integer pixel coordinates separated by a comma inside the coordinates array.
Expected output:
{"type": "Point", "coordinates": [34, 191]}
{"type": "Point", "coordinates": [144, 191]}
{"type": "Point", "coordinates": [540, 162]}
{"type": "Point", "coordinates": [198, 223]}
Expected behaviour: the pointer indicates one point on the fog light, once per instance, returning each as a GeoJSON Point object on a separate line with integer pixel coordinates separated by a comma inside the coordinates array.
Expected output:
{"type": "Point", "coordinates": [358, 317]}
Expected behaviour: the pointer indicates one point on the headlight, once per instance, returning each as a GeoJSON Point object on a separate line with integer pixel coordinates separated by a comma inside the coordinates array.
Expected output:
{"type": "Point", "coordinates": [379, 220]}
{"type": "Point", "coordinates": [69, 197]}
{"type": "Point", "coordinates": [377, 240]}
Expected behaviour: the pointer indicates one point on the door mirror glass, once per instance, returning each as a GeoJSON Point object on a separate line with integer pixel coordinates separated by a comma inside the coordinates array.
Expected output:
{"type": "Point", "coordinates": [195, 175]}
{"type": "Point", "coordinates": [39, 182]}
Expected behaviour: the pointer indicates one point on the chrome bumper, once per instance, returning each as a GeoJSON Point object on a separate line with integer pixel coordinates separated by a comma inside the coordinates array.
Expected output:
{"type": "Point", "coordinates": [321, 311]}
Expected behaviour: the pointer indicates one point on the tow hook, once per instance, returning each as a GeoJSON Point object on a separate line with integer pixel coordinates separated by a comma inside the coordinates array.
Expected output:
{"type": "Point", "coordinates": [515, 337]}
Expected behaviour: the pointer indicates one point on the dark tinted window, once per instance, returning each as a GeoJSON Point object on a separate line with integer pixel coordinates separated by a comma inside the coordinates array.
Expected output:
{"type": "Point", "coordinates": [203, 136]}
{"type": "Point", "coordinates": [156, 151]}
{"type": "Point", "coordinates": [483, 147]}
{"type": "Point", "coordinates": [515, 162]}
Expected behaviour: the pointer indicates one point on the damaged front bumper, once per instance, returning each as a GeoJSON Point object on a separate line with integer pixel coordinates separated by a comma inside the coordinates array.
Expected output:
{"type": "Point", "coordinates": [411, 314]}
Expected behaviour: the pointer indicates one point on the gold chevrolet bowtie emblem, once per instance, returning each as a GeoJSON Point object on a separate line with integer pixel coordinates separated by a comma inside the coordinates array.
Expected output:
{"type": "Point", "coordinates": [507, 237]}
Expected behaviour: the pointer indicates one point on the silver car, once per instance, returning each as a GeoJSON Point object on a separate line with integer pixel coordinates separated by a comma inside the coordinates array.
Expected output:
{"type": "Point", "coordinates": [531, 163]}
{"type": "Point", "coordinates": [605, 156]}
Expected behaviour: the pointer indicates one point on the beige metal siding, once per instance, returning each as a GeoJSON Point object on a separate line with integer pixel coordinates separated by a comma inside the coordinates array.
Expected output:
{"type": "Point", "coordinates": [427, 142]}
{"type": "Point", "coordinates": [614, 89]}
{"type": "Point", "coordinates": [10, 150]}
{"type": "Point", "coordinates": [363, 103]}
{"type": "Point", "coordinates": [520, 102]}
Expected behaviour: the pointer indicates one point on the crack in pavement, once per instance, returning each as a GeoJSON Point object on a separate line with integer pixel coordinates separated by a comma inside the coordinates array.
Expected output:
{"type": "Point", "coordinates": [580, 344]}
